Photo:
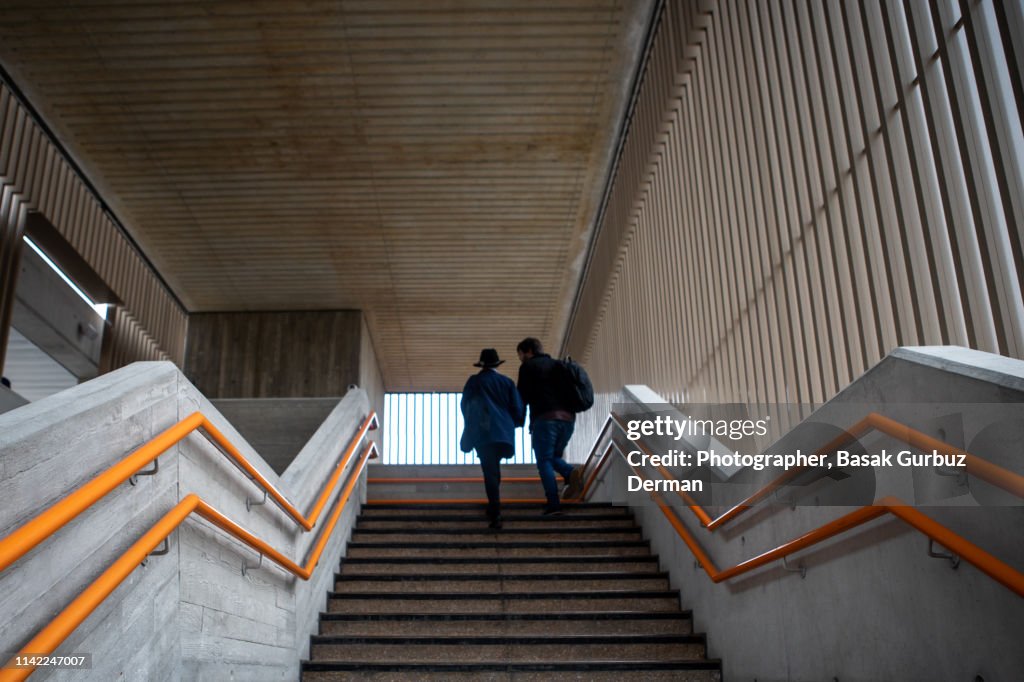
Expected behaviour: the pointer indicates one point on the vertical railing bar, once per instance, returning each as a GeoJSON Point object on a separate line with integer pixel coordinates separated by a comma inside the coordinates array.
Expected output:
{"type": "Point", "coordinates": [421, 422]}
{"type": "Point", "coordinates": [440, 426]}
{"type": "Point", "coordinates": [408, 429]}
{"type": "Point", "coordinates": [426, 434]}
{"type": "Point", "coordinates": [445, 432]}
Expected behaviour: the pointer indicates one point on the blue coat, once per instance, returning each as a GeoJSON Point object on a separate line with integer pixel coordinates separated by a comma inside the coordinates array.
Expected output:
{"type": "Point", "coordinates": [492, 408]}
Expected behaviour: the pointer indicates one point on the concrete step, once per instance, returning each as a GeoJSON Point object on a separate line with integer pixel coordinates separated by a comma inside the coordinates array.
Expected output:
{"type": "Point", "coordinates": [548, 583]}
{"type": "Point", "coordinates": [427, 592]}
{"type": "Point", "coordinates": [454, 491]}
{"type": "Point", "coordinates": [425, 512]}
{"type": "Point", "coordinates": [471, 478]}
{"type": "Point", "coordinates": [477, 649]}
{"type": "Point", "coordinates": [512, 522]}
{"type": "Point", "coordinates": [513, 624]}
{"type": "Point", "coordinates": [504, 536]}
{"type": "Point", "coordinates": [503, 602]}
{"type": "Point", "coordinates": [472, 469]}
{"type": "Point", "coordinates": [404, 565]}
{"type": "Point", "coordinates": [565, 671]}
{"type": "Point", "coordinates": [495, 549]}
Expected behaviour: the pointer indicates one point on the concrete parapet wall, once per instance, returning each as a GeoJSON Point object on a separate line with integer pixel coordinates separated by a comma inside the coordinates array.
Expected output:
{"type": "Point", "coordinates": [873, 605]}
{"type": "Point", "coordinates": [190, 614]}
{"type": "Point", "coordinates": [277, 427]}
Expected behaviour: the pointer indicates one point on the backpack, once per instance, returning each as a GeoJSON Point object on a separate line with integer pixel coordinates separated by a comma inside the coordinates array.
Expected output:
{"type": "Point", "coordinates": [579, 392]}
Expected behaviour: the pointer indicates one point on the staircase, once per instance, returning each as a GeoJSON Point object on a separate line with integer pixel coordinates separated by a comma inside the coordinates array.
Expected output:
{"type": "Point", "coordinates": [429, 592]}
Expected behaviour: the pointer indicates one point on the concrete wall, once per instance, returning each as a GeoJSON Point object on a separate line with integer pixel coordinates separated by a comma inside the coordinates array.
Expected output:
{"type": "Point", "coordinates": [54, 445]}
{"type": "Point", "coordinates": [277, 428]}
{"type": "Point", "coordinates": [370, 378]}
{"type": "Point", "coordinates": [873, 605]}
{"type": "Point", "coordinates": [295, 354]}
{"type": "Point", "coordinates": [190, 614]}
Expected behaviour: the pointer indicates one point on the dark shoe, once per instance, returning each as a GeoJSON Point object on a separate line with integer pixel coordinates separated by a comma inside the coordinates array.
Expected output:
{"type": "Point", "coordinates": [495, 523]}
{"type": "Point", "coordinates": [552, 511]}
{"type": "Point", "coordinates": [575, 487]}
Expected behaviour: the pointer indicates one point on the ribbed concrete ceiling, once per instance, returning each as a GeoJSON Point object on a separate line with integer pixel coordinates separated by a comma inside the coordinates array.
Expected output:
{"type": "Point", "coordinates": [436, 164]}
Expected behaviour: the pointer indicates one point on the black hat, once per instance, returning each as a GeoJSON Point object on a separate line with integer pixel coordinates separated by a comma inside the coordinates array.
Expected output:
{"type": "Point", "coordinates": [488, 358]}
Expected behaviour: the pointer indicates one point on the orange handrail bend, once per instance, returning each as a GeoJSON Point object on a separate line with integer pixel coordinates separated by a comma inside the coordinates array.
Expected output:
{"type": "Point", "coordinates": [27, 536]}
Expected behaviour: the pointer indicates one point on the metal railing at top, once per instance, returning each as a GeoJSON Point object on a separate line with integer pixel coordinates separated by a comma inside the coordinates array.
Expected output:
{"type": "Point", "coordinates": [44, 525]}
{"type": "Point", "coordinates": [424, 428]}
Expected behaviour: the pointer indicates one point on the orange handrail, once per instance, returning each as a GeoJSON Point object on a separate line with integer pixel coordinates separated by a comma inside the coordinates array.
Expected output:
{"type": "Point", "coordinates": [995, 568]}
{"type": "Point", "coordinates": [983, 469]}
{"type": "Point", "coordinates": [51, 636]}
{"type": "Point", "coordinates": [20, 541]}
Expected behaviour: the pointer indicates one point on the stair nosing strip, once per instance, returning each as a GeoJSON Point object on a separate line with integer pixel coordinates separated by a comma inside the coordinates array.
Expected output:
{"type": "Point", "coordinates": [482, 530]}
{"type": "Point", "coordinates": [685, 614]}
{"type": "Point", "coordinates": [428, 577]}
{"type": "Point", "coordinates": [525, 596]}
{"type": "Point", "coordinates": [569, 558]}
{"type": "Point", "coordinates": [465, 518]}
{"type": "Point", "coordinates": [495, 545]}
{"type": "Point", "coordinates": [484, 640]}
{"type": "Point", "coordinates": [560, 666]}
{"type": "Point", "coordinates": [385, 504]}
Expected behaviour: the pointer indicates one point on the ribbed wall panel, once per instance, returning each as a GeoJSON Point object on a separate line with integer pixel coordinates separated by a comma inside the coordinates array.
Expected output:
{"type": "Point", "coordinates": [36, 176]}
{"type": "Point", "coordinates": [133, 344]}
{"type": "Point", "coordinates": [803, 187]}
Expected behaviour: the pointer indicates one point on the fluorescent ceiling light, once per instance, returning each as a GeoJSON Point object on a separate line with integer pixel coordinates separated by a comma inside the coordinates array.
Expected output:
{"type": "Point", "coordinates": [100, 308]}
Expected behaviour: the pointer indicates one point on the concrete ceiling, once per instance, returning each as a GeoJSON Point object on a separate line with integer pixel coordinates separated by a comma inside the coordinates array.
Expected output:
{"type": "Point", "coordinates": [437, 164]}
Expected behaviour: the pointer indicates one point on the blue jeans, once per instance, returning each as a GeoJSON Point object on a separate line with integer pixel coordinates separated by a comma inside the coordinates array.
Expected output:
{"type": "Point", "coordinates": [550, 436]}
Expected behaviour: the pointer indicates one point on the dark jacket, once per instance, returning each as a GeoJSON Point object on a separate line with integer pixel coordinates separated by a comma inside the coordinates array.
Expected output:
{"type": "Point", "coordinates": [542, 385]}
{"type": "Point", "coordinates": [492, 408]}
